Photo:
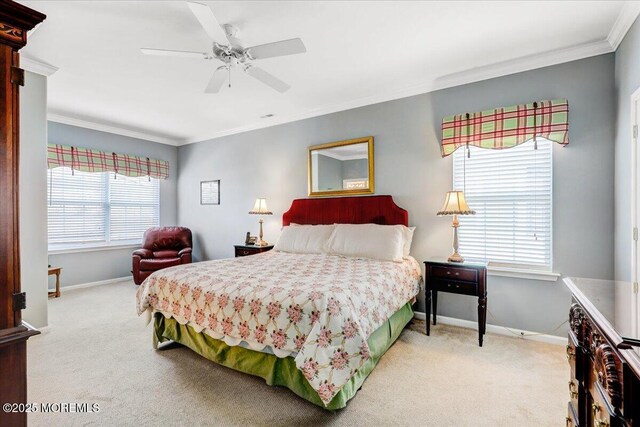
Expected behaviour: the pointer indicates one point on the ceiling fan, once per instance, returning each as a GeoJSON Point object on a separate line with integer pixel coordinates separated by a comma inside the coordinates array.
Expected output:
{"type": "Point", "coordinates": [228, 49]}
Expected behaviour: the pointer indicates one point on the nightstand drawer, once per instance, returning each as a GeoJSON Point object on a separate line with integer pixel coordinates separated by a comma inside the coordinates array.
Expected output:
{"type": "Point", "coordinates": [455, 273]}
{"type": "Point", "coordinates": [242, 250]}
{"type": "Point", "coordinates": [245, 252]}
{"type": "Point", "coordinates": [457, 287]}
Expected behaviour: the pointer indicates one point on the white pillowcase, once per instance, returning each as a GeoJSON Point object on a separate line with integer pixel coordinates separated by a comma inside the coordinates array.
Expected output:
{"type": "Point", "coordinates": [383, 242]}
{"type": "Point", "coordinates": [304, 239]}
{"type": "Point", "coordinates": [408, 238]}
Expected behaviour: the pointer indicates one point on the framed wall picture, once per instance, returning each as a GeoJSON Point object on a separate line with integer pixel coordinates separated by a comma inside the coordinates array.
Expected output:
{"type": "Point", "coordinates": [210, 192]}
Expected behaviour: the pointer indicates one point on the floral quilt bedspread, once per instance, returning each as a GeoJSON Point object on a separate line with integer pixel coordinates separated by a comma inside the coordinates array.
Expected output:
{"type": "Point", "coordinates": [320, 309]}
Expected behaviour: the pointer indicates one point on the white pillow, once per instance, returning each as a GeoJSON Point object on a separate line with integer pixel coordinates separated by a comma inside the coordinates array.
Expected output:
{"type": "Point", "coordinates": [407, 233]}
{"type": "Point", "coordinates": [383, 242]}
{"type": "Point", "coordinates": [304, 239]}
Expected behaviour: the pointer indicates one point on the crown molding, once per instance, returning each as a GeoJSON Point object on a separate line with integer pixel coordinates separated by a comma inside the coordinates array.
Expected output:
{"type": "Point", "coordinates": [499, 69]}
{"type": "Point", "coordinates": [35, 66]}
{"type": "Point", "coordinates": [525, 63]}
{"type": "Point", "coordinates": [627, 16]}
{"type": "Point", "coordinates": [95, 125]}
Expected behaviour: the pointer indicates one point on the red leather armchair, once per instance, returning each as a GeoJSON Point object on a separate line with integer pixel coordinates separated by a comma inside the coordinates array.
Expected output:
{"type": "Point", "coordinates": [162, 247]}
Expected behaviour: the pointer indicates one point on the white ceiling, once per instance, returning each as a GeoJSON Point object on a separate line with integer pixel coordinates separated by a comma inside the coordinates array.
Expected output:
{"type": "Point", "coordinates": [345, 152]}
{"type": "Point", "coordinates": [358, 53]}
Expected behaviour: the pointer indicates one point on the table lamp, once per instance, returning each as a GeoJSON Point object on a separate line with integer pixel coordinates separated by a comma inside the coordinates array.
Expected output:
{"type": "Point", "coordinates": [260, 208]}
{"type": "Point", "coordinates": [455, 204]}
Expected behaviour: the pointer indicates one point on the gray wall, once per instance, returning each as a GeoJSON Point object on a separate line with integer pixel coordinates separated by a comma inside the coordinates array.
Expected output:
{"type": "Point", "coordinates": [33, 197]}
{"type": "Point", "coordinates": [329, 173]}
{"type": "Point", "coordinates": [627, 81]}
{"type": "Point", "coordinates": [409, 167]}
{"type": "Point", "coordinates": [353, 169]}
{"type": "Point", "coordinates": [85, 267]}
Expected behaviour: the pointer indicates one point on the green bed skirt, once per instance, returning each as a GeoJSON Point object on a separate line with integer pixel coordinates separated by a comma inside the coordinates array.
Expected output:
{"type": "Point", "coordinates": [281, 371]}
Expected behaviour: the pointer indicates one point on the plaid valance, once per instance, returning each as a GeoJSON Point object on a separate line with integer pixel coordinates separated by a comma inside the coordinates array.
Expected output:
{"type": "Point", "coordinates": [88, 160]}
{"type": "Point", "coordinates": [507, 127]}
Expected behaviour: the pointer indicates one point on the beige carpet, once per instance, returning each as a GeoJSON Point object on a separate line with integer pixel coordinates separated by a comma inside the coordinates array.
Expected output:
{"type": "Point", "coordinates": [97, 350]}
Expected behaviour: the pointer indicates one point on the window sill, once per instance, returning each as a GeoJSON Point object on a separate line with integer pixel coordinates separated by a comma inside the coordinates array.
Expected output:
{"type": "Point", "coordinates": [79, 249]}
{"type": "Point", "coordinates": [522, 273]}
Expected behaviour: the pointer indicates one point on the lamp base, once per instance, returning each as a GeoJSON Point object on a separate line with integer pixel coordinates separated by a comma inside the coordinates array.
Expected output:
{"type": "Point", "coordinates": [455, 257]}
{"type": "Point", "coordinates": [261, 242]}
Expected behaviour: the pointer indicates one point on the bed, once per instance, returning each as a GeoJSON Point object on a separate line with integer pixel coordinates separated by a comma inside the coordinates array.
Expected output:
{"type": "Point", "coordinates": [315, 323]}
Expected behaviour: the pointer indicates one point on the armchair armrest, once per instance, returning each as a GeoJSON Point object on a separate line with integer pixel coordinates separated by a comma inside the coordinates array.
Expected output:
{"type": "Point", "coordinates": [142, 253]}
{"type": "Point", "coordinates": [185, 256]}
{"type": "Point", "coordinates": [136, 256]}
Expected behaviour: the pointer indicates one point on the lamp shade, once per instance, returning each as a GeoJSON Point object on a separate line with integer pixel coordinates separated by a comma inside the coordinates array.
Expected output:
{"type": "Point", "coordinates": [455, 204]}
{"type": "Point", "coordinates": [260, 208]}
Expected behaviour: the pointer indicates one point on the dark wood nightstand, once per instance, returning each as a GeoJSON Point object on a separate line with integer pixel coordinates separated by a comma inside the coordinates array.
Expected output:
{"type": "Point", "coordinates": [244, 250]}
{"type": "Point", "coordinates": [465, 278]}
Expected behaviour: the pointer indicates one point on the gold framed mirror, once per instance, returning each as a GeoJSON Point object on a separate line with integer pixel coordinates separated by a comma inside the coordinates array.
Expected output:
{"type": "Point", "coordinates": [341, 168]}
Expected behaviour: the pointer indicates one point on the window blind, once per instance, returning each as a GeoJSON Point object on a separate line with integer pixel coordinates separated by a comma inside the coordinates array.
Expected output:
{"type": "Point", "coordinates": [134, 207]}
{"type": "Point", "coordinates": [511, 192]}
{"type": "Point", "coordinates": [87, 208]}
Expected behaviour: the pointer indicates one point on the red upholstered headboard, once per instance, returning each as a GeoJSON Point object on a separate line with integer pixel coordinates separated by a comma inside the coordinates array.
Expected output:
{"type": "Point", "coordinates": [346, 210]}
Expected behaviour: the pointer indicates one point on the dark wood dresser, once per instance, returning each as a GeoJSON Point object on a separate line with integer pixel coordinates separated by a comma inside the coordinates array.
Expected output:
{"type": "Point", "coordinates": [604, 353]}
{"type": "Point", "coordinates": [15, 21]}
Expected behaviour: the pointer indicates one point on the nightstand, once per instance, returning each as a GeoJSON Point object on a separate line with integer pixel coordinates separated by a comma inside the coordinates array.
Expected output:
{"type": "Point", "coordinates": [464, 278]}
{"type": "Point", "coordinates": [244, 250]}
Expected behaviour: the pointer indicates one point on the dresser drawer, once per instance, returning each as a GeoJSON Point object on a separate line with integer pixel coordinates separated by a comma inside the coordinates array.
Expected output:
{"type": "Point", "coordinates": [572, 419]}
{"type": "Point", "coordinates": [575, 357]}
{"type": "Point", "coordinates": [454, 273]}
{"type": "Point", "coordinates": [600, 413]}
{"type": "Point", "coordinates": [456, 287]}
{"type": "Point", "coordinates": [576, 395]}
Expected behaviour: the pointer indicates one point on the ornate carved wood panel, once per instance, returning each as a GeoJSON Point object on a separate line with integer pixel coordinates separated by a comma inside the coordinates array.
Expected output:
{"type": "Point", "coordinates": [603, 388]}
{"type": "Point", "coordinates": [576, 322]}
{"type": "Point", "coordinates": [607, 369]}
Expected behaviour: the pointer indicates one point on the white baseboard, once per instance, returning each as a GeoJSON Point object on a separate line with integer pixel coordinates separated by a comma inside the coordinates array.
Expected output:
{"type": "Point", "coordinates": [499, 330]}
{"type": "Point", "coordinates": [92, 284]}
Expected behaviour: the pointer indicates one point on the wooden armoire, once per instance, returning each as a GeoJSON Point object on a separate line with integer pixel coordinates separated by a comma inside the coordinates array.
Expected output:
{"type": "Point", "coordinates": [15, 21]}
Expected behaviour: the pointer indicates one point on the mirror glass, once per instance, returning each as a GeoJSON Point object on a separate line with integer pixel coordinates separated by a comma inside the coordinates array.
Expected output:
{"type": "Point", "coordinates": [343, 167]}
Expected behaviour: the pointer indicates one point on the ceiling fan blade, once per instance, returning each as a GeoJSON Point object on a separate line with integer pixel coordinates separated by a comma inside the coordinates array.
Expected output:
{"type": "Point", "coordinates": [268, 79]}
{"type": "Point", "coordinates": [281, 48]}
{"type": "Point", "coordinates": [217, 80]}
{"type": "Point", "coordinates": [207, 19]}
{"type": "Point", "coordinates": [167, 52]}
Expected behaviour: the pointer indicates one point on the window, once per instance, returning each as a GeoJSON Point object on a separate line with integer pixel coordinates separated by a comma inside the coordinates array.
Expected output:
{"type": "Point", "coordinates": [95, 209]}
{"type": "Point", "coordinates": [510, 190]}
